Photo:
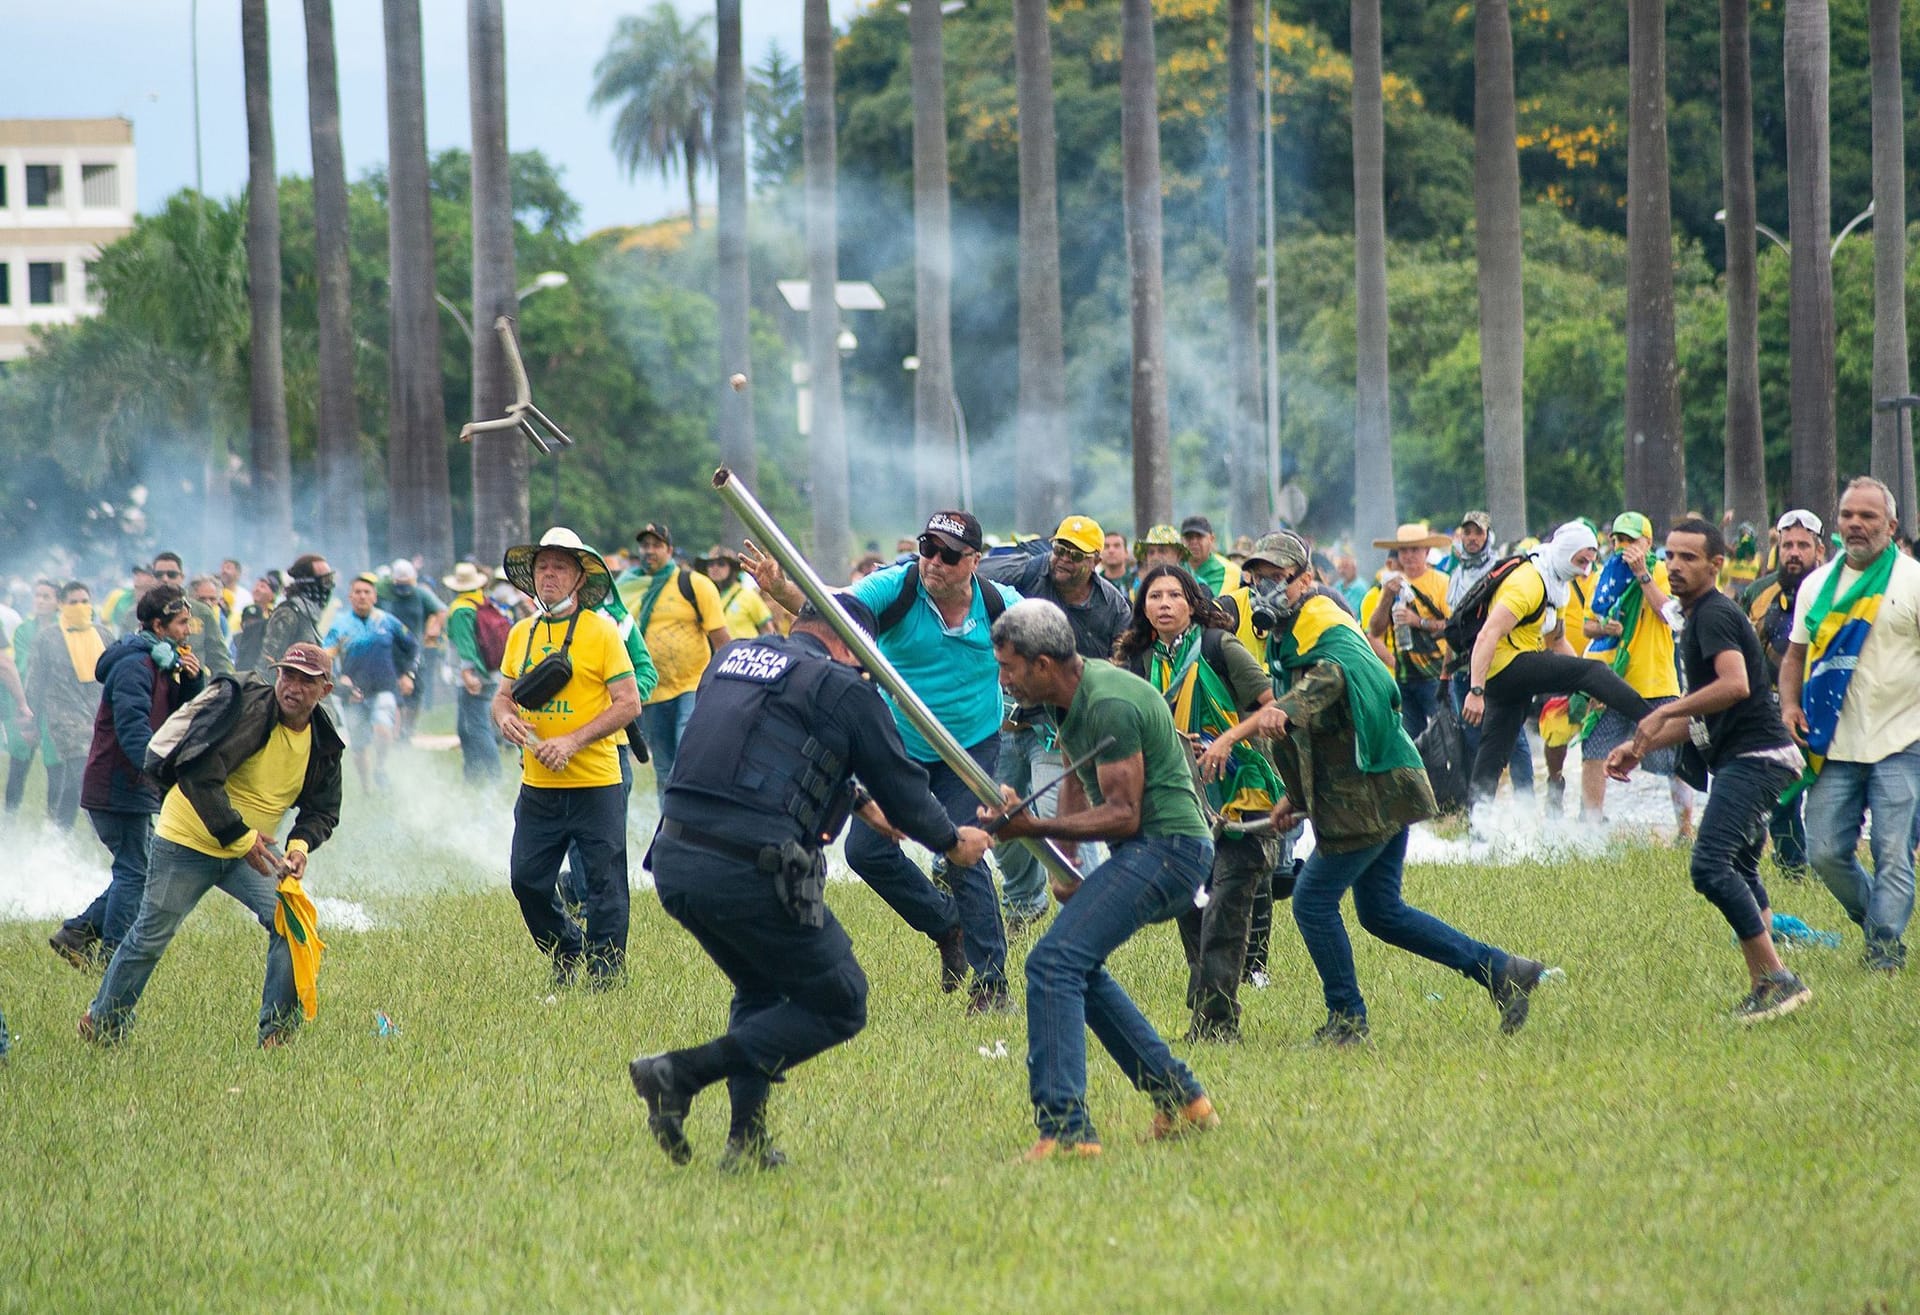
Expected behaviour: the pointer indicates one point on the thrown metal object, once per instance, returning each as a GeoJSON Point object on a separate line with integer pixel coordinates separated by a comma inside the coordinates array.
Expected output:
{"type": "Point", "coordinates": [522, 414]}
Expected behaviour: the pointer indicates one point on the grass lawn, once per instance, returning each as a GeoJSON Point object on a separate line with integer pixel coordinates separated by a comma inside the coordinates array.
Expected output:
{"type": "Point", "coordinates": [1631, 1150]}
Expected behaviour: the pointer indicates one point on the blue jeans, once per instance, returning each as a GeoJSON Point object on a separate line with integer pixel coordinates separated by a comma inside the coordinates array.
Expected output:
{"type": "Point", "coordinates": [663, 724]}
{"type": "Point", "coordinates": [1374, 874]}
{"type": "Point", "coordinates": [1837, 805]}
{"type": "Point", "coordinates": [1725, 865]}
{"type": "Point", "coordinates": [177, 881]}
{"type": "Point", "coordinates": [1789, 834]}
{"type": "Point", "coordinates": [1419, 700]}
{"type": "Point", "coordinates": [129, 838]}
{"type": "Point", "coordinates": [1069, 990]}
{"type": "Point", "coordinates": [1025, 766]}
{"type": "Point", "coordinates": [479, 746]}
{"type": "Point", "coordinates": [930, 911]}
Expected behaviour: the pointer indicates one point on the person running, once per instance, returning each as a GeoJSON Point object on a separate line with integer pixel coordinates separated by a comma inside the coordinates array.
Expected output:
{"type": "Point", "coordinates": [1407, 612]}
{"type": "Point", "coordinates": [1850, 692]}
{"type": "Point", "coordinates": [1472, 558]}
{"type": "Point", "coordinates": [1132, 788]}
{"type": "Point", "coordinates": [746, 611]}
{"type": "Point", "coordinates": [377, 657]}
{"type": "Point", "coordinates": [477, 628]}
{"type": "Point", "coordinates": [1801, 544]}
{"type": "Point", "coordinates": [309, 585]}
{"type": "Point", "coordinates": [207, 638]}
{"type": "Point", "coordinates": [1725, 724]}
{"type": "Point", "coordinates": [22, 737]}
{"type": "Point", "coordinates": [1180, 641]}
{"type": "Point", "coordinates": [217, 826]}
{"type": "Point", "coordinates": [419, 609]}
{"type": "Point", "coordinates": [1521, 653]}
{"type": "Point", "coordinates": [1350, 768]}
{"type": "Point", "coordinates": [680, 618]}
{"type": "Point", "coordinates": [63, 687]}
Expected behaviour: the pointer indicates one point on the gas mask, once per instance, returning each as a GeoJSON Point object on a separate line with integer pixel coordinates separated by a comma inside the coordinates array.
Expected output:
{"type": "Point", "coordinates": [1268, 605]}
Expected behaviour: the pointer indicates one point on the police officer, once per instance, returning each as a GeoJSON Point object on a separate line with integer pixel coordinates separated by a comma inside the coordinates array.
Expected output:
{"type": "Point", "coordinates": [738, 861]}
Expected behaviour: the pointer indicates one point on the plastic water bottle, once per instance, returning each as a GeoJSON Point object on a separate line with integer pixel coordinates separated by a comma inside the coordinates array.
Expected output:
{"type": "Point", "coordinates": [1403, 632]}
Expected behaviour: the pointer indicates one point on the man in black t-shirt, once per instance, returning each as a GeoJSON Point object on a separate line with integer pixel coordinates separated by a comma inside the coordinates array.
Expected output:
{"type": "Point", "coordinates": [1732, 729]}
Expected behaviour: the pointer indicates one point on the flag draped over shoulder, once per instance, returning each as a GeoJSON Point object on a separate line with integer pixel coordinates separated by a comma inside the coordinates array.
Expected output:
{"type": "Point", "coordinates": [1616, 597]}
{"type": "Point", "coordinates": [1837, 629]}
{"type": "Point", "coordinates": [1203, 705]}
{"type": "Point", "coordinates": [297, 921]}
{"type": "Point", "coordinates": [1322, 632]}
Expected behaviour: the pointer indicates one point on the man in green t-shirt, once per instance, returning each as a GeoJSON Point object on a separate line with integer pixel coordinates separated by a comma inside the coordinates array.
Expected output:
{"type": "Point", "coordinates": [1131, 787]}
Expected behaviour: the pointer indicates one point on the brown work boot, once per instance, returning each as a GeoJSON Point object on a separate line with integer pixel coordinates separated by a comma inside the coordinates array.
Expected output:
{"type": "Point", "coordinates": [1197, 1115]}
{"type": "Point", "coordinates": [1052, 1148]}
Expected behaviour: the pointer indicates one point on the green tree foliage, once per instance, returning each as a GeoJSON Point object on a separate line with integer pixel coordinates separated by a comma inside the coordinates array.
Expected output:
{"type": "Point", "coordinates": [657, 74]}
{"type": "Point", "coordinates": [774, 91]}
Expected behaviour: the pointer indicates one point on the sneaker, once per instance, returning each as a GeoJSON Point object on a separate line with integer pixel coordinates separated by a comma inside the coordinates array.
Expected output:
{"type": "Point", "coordinates": [1020, 922]}
{"type": "Point", "coordinates": [275, 1039]}
{"type": "Point", "coordinates": [751, 1153]}
{"type": "Point", "coordinates": [1197, 1115]}
{"type": "Point", "coordinates": [1055, 1148]}
{"type": "Point", "coordinates": [564, 968]}
{"type": "Point", "coordinates": [1512, 990]}
{"type": "Point", "coordinates": [953, 959]}
{"type": "Point", "coordinates": [667, 1104]}
{"type": "Point", "coordinates": [76, 945]}
{"type": "Point", "coordinates": [1342, 1030]}
{"type": "Point", "coordinates": [1778, 994]}
{"type": "Point", "coordinates": [990, 1000]}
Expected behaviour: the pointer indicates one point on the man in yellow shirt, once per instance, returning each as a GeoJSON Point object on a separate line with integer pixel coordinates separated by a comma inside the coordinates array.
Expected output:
{"type": "Point", "coordinates": [746, 611]}
{"type": "Point", "coordinates": [570, 791]}
{"type": "Point", "coordinates": [270, 748]}
{"type": "Point", "coordinates": [679, 615]}
{"type": "Point", "coordinates": [1407, 611]}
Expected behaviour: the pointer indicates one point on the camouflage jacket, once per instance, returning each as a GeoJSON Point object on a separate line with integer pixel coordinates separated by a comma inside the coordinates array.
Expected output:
{"type": "Point", "coordinates": [63, 703]}
{"type": "Point", "coordinates": [1350, 809]}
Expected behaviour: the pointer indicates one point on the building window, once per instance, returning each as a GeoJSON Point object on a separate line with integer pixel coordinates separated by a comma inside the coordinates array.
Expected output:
{"type": "Point", "coordinates": [99, 185]}
{"type": "Point", "coordinates": [47, 283]}
{"type": "Point", "coordinates": [43, 186]}
{"type": "Point", "coordinates": [6, 286]}
{"type": "Point", "coordinates": [3, 187]}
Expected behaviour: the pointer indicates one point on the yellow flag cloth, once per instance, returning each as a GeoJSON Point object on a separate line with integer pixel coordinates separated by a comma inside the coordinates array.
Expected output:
{"type": "Point", "coordinates": [84, 645]}
{"type": "Point", "coordinates": [296, 920]}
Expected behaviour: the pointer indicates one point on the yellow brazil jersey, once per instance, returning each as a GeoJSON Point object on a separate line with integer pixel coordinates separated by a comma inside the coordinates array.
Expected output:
{"type": "Point", "coordinates": [599, 660]}
{"type": "Point", "coordinates": [1574, 615]}
{"type": "Point", "coordinates": [1650, 669]}
{"type": "Point", "coordinates": [746, 611]}
{"type": "Point", "coordinates": [676, 634]}
{"type": "Point", "coordinates": [261, 790]}
{"type": "Point", "coordinates": [1432, 588]}
{"type": "Point", "coordinates": [1522, 593]}
{"type": "Point", "coordinates": [1254, 641]}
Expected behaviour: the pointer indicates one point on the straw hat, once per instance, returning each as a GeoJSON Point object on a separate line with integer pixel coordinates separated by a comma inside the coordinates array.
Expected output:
{"type": "Point", "coordinates": [465, 579]}
{"type": "Point", "coordinates": [1414, 534]}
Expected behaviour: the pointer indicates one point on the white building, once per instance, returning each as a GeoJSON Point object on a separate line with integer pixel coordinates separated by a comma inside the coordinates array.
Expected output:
{"type": "Point", "coordinates": [67, 188]}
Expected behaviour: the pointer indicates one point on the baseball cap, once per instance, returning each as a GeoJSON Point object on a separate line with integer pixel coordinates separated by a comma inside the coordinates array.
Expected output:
{"type": "Point", "coordinates": [1479, 519]}
{"type": "Point", "coordinates": [960, 529]}
{"type": "Point", "coordinates": [658, 530]}
{"type": "Point", "coordinates": [310, 659]}
{"type": "Point", "coordinates": [1195, 525]}
{"type": "Point", "coordinates": [1633, 525]}
{"type": "Point", "coordinates": [1083, 532]}
{"type": "Point", "coordinates": [1802, 519]}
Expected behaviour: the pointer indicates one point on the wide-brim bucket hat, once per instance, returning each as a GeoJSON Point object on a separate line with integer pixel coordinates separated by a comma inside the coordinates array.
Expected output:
{"type": "Point", "coordinates": [594, 587]}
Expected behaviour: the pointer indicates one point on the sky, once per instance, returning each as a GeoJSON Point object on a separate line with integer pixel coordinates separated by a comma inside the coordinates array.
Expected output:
{"type": "Point", "coordinates": [100, 58]}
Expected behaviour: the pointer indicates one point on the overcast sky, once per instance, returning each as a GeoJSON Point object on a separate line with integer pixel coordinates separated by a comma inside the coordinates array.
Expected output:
{"type": "Point", "coordinates": [97, 58]}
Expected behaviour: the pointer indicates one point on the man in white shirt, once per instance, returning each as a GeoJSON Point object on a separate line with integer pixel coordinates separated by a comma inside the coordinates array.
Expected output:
{"type": "Point", "coordinates": [1872, 758]}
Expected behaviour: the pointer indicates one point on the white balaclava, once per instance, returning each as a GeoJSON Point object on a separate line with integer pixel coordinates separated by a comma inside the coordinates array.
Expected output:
{"type": "Point", "coordinates": [1555, 559]}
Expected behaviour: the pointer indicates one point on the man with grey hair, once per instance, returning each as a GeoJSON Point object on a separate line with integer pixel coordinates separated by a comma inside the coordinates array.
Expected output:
{"type": "Point", "coordinates": [1131, 786]}
{"type": "Point", "coordinates": [1850, 693]}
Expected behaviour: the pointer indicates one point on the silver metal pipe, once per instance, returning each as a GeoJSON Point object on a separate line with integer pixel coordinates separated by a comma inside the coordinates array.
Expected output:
{"type": "Point", "coordinates": [770, 537]}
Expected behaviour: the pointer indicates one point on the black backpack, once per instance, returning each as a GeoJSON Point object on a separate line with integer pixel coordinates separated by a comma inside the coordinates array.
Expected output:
{"type": "Point", "coordinates": [1443, 751]}
{"type": "Point", "coordinates": [193, 728]}
{"type": "Point", "coordinates": [1463, 627]}
{"type": "Point", "coordinates": [895, 612]}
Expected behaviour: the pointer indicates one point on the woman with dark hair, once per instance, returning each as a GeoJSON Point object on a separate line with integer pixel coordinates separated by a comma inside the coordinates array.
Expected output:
{"type": "Point", "coordinates": [1181, 641]}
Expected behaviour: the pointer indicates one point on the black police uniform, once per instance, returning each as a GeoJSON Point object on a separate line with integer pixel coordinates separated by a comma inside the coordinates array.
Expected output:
{"type": "Point", "coordinates": [778, 732]}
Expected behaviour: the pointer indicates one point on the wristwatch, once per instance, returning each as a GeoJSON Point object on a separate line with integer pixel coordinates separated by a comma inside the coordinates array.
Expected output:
{"type": "Point", "coordinates": [1479, 691]}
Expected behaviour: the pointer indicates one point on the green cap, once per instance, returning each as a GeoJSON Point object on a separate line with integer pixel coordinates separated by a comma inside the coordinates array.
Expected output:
{"type": "Point", "coordinates": [1633, 525]}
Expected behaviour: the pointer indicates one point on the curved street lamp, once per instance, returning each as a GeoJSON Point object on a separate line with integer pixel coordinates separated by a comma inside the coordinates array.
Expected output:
{"type": "Point", "coordinates": [1720, 217]}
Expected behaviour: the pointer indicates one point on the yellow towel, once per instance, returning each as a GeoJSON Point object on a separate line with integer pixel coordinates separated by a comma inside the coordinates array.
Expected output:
{"type": "Point", "coordinates": [84, 645]}
{"type": "Point", "coordinates": [297, 921]}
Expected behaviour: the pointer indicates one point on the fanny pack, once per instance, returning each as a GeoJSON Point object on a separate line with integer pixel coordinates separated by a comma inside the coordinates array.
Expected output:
{"type": "Point", "coordinates": [536, 688]}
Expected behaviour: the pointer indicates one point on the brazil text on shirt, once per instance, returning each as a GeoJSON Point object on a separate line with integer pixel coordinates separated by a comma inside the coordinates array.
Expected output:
{"type": "Point", "coordinates": [951, 668]}
{"type": "Point", "coordinates": [751, 662]}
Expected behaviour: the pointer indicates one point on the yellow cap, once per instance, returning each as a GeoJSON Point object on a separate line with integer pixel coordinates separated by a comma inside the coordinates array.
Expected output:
{"type": "Point", "coordinates": [1083, 532]}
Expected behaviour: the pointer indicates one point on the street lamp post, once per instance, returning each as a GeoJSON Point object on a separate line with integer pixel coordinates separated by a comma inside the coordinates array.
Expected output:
{"type": "Point", "coordinates": [1902, 408]}
{"type": "Point", "coordinates": [1720, 217]}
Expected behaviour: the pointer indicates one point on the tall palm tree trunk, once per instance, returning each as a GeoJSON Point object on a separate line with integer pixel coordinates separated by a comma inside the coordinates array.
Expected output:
{"type": "Point", "coordinates": [1810, 380]}
{"type": "Point", "coordinates": [936, 445]}
{"type": "Point", "coordinates": [343, 485]}
{"type": "Point", "coordinates": [734, 434]}
{"type": "Point", "coordinates": [1246, 461]}
{"type": "Point", "coordinates": [1373, 493]}
{"type": "Point", "coordinates": [419, 489]}
{"type": "Point", "coordinates": [1655, 464]}
{"type": "Point", "coordinates": [500, 461]}
{"type": "Point", "coordinates": [1892, 443]}
{"type": "Point", "coordinates": [1044, 479]}
{"type": "Point", "coordinates": [272, 509]}
{"type": "Point", "coordinates": [832, 521]}
{"type": "Point", "coordinates": [1746, 473]}
{"type": "Point", "coordinates": [1503, 321]}
{"type": "Point", "coordinates": [1140, 158]}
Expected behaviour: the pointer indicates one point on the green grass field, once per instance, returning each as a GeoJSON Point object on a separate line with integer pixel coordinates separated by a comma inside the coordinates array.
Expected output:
{"type": "Point", "coordinates": [1631, 1150]}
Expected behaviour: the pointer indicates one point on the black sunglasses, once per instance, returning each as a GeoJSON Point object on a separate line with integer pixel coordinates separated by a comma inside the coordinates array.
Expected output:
{"type": "Point", "coordinates": [932, 547]}
{"type": "Point", "coordinates": [1066, 551]}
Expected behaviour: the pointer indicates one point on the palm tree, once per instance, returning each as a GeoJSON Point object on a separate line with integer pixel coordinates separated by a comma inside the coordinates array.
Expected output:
{"type": "Point", "coordinates": [500, 460]}
{"type": "Point", "coordinates": [1247, 508]}
{"type": "Point", "coordinates": [1044, 480]}
{"type": "Point", "coordinates": [832, 527]}
{"type": "Point", "coordinates": [660, 73]}
{"type": "Point", "coordinates": [1892, 447]}
{"type": "Point", "coordinates": [343, 495]}
{"type": "Point", "coordinates": [734, 431]}
{"type": "Point", "coordinates": [1746, 474]}
{"type": "Point", "coordinates": [267, 391]}
{"type": "Point", "coordinates": [419, 488]}
{"type": "Point", "coordinates": [1810, 379]}
{"type": "Point", "coordinates": [1503, 323]}
{"type": "Point", "coordinates": [1140, 190]}
{"type": "Point", "coordinates": [1373, 494]}
{"type": "Point", "coordinates": [1655, 469]}
{"type": "Point", "coordinates": [936, 445]}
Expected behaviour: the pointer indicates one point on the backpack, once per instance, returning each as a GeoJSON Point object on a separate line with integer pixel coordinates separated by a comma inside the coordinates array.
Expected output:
{"type": "Point", "coordinates": [896, 611]}
{"type": "Point", "coordinates": [1443, 751]}
{"type": "Point", "coordinates": [193, 728]}
{"type": "Point", "coordinates": [490, 629]}
{"type": "Point", "coordinates": [1463, 627]}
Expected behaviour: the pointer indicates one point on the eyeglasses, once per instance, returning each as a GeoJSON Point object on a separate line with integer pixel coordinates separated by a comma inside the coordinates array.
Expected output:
{"type": "Point", "coordinates": [169, 575]}
{"type": "Point", "coordinates": [1067, 552]}
{"type": "Point", "coordinates": [932, 547]}
{"type": "Point", "coordinates": [1799, 520]}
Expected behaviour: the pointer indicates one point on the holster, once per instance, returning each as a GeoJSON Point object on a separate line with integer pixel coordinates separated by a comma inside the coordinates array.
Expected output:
{"type": "Point", "coordinates": [800, 880]}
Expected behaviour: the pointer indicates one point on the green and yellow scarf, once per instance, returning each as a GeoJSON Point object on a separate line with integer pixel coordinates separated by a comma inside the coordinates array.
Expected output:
{"type": "Point", "coordinates": [1321, 632]}
{"type": "Point", "coordinates": [1203, 706]}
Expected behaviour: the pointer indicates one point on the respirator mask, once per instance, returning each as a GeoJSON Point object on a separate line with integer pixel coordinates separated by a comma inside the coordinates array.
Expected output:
{"type": "Point", "coordinates": [1268, 605]}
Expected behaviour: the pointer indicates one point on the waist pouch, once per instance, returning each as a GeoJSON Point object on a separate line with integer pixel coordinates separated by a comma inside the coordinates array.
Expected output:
{"type": "Point", "coordinates": [537, 688]}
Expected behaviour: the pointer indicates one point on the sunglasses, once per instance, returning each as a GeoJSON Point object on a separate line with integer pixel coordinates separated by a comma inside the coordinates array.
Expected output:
{"type": "Point", "coordinates": [932, 547]}
{"type": "Point", "coordinates": [169, 575]}
{"type": "Point", "coordinates": [1067, 552]}
{"type": "Point", "coordinates": [175, 608]}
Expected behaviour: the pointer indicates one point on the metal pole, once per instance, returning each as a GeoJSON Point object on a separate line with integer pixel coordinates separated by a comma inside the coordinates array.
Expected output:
{"type": "Point", "coordinates": [1274, 478]}
{"type": "Point", "coordinates": [770, 537]}
{"type": "Point", "coordinates": [966, 455]}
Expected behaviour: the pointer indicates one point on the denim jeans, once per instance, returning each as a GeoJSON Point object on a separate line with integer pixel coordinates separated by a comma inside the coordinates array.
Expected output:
{"type": "Point", "coordinates": [177, 881]}
{"type": "Point", "coordinates": [930, 911]}
{"type": "Point", "coordinates": [1419, 700]}
{"type": "Point", "coordinates": [129, 838]}
{"type": "Point", "coordinates": [1519, 762]}
{"type": "Point", "coordinates": [1025, 766]}
{"type": "Point", "coordinates": [546, 822]}
{"type": "Point", "coordinates": [1215, 938]}
{"type": "Point", "coordinates": [1733, 831]}
{"type": "Point", "coordinates": [1069, 990]}
{"type": "Point", "coordinates": [479, 744]}
{"type": "Point", "coordinates": [1374, 875]}
{"type": "Point", "coordinates": [1789, 834]}
{"type": "Point", "coordinates": [1837, 805]}
{"type": "Point", "coordinates": [663, 724]}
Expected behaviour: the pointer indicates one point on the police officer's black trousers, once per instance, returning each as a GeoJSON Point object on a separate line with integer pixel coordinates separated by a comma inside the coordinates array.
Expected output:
{"type": "Point", "coordinates": [796, 990]}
